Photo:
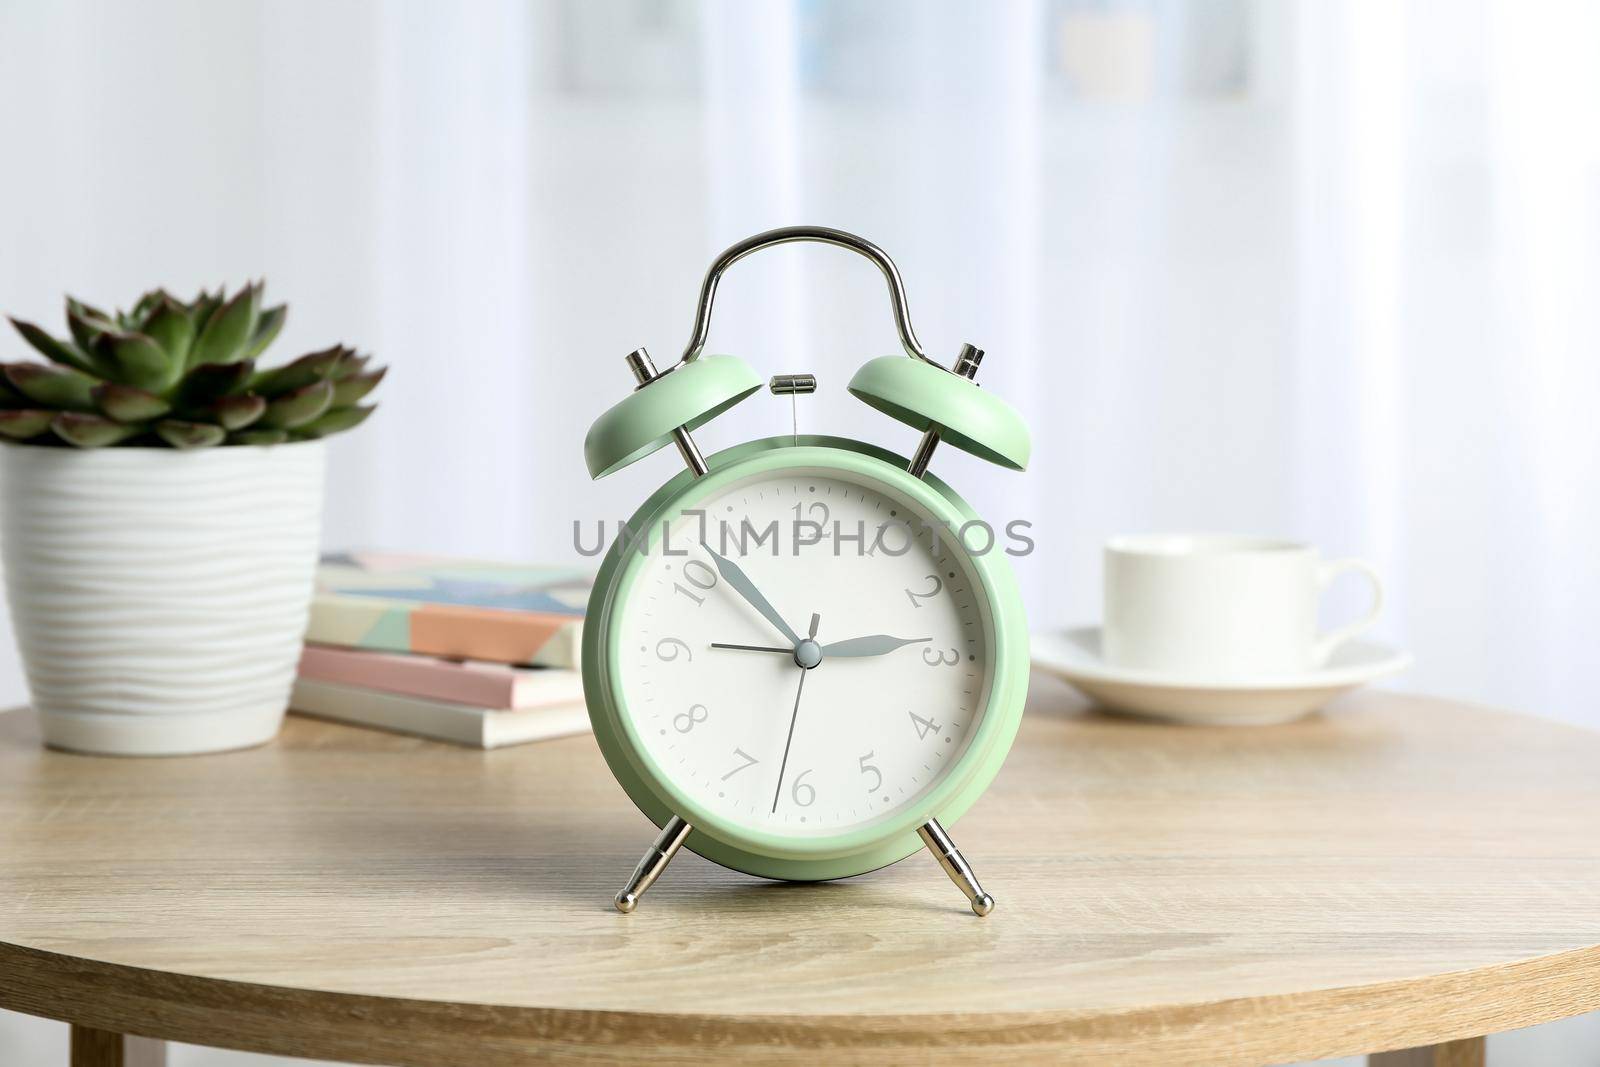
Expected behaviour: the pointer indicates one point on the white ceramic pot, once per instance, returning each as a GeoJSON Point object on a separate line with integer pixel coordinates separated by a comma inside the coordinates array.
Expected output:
{"type": "Point", "coordinates": [160, 597]}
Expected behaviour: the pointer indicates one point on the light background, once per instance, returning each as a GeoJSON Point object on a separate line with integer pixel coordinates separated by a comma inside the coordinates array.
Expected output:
{"type": "Point", "coordinates": [1328, 270]}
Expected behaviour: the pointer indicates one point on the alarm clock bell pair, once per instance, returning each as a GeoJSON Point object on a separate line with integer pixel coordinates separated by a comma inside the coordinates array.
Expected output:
{"type": "Point", "coordinates": [794, 664]}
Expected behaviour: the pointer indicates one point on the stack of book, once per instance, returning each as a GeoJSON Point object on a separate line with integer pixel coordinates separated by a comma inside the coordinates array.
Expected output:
{"type": "Point", "coordinates": [482, 654]}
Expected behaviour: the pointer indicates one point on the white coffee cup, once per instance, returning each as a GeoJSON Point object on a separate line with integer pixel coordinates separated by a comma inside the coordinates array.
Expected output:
{"type": "Point", "coordinates": [1221, 607]}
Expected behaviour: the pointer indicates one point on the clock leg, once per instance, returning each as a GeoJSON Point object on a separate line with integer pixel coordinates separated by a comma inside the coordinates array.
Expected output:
{"type": "Point", "coordinates": [955, 865]}
{"type": "Point", "coordinates": [655, 861]}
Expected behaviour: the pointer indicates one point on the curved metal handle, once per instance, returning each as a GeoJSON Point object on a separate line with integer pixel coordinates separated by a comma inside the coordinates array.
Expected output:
{"type": "Point", "coordinates": [789, 235]}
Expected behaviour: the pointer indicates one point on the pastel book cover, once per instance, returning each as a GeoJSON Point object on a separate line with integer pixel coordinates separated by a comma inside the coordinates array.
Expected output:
{"type": "Point", "coordinates": [442, 720]}
{"type": "Point", "coordinates": [455, 608]}
{"type": "Point", "coordinates": [490, 685]}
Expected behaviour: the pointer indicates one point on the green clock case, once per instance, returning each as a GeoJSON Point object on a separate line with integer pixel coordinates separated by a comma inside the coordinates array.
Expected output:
{"type": "Point", "coordinates": [772, 855]}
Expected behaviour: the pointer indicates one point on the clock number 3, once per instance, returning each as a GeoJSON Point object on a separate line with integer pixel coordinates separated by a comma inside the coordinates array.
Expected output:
{"type": "Point", "coordinates": [694, 577]}
{"type": "Point", "coordinates": [872, 769]}
{"type": "Point", "coordinates": [685, 721]}
{"type": "Point", "coordinates": [937, 658]}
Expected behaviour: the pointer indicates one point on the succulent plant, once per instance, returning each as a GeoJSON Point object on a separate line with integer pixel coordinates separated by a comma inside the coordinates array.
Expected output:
{"type": "Point", "coordinates": [178, 374]}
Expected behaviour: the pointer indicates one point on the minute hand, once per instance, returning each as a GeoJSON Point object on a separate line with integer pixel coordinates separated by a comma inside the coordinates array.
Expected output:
{"type": "Point", "coordinates": [871, 645]}
{"type": "Point", "coordinates": [735, 577]}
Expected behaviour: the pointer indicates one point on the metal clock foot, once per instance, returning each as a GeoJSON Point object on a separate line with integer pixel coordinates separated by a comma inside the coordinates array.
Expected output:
{"type": "Point", "coordinates": [655, 861]}
{"type": "Point", "coordinates": [955, 865]}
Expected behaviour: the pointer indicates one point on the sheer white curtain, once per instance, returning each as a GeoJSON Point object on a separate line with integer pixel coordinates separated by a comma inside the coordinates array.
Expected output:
{"type": "Point", "coordinates": [1321, 269]}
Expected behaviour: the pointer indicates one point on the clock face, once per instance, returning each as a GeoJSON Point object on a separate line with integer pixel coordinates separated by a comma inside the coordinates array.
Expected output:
{"type": "Point", "coordinates": [897, 673]}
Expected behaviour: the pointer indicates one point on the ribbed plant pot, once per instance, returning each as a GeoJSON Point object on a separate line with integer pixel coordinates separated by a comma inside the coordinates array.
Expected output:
{"type": "Point", "coordinates": [159, 597]}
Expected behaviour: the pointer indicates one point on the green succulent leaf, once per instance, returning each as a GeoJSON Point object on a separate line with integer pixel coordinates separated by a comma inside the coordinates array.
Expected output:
{"type": "Point", "coordinates": [90, 431]}
{"type": "Point", "coordinates": [182, 434]}
{"type": "Point", "coordinates": [349, 365]}
{"type": "Point", "coordinates": [54, 387]}
{"type": "Point", "coordinates": [124, 403]}
{"type": "Point", "coordinates": [335, 420]}
{"type": "Point", "coordinates": [87, 324]}
{"type": "Point", "coordinates": [136, 359]}
{"type": "Point", "coordinates": [21, 425]}
{"type": "Point", "coordinates": [9, 397]}
{"type": "Point", "coordinates": [85, 321]}
{"type": "Point", "coordinates": [298, 373]}
{"type": "Point", "coordinates": [350, 390]}
{"type": "Point", "coordinates": [227, 331]}
{"type": "Point", "coordinates": [212, 381]}
{"type": "Point", "coordinates": [237, 412]}
{"type": "Point", "coordinates": [54, 349]}
{"type": "Point", "coordinates": [267, 327]}
{"type": "Point", "coordinates": [170, 327]}
{"type": "Point", "coordinates": [258, 436]}
{"type": "Point", "coordinates": [146, 306]}
{"type": "Point", "coordinates": [299, 407]}
{"type": "Point", "coordinates": [204, 306]}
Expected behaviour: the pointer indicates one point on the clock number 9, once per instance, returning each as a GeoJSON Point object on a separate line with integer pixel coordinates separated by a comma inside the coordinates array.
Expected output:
{"type": "Point", "coordinates": [937, 659]}
{"type": "Point", "coordinates": [673, 644]}
{"type": "Point", "coordinates": [694, 578]}
{"type": "Point", "coordinates": [685, 721]}
{"type": "Point", "coordinates": [802, 787]}
{"type": "Point", "coordinates": [913, 596]}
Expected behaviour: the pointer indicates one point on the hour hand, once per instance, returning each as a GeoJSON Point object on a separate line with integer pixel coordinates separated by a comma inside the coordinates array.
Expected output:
{"type": "Point", "coordinates": [735, 577]}
{"type": "Point", "coordinates": [871, 645]}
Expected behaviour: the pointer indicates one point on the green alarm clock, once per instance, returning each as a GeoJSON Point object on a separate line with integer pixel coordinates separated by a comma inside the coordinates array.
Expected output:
{"type": "Point", "coordinates": [805, 656]}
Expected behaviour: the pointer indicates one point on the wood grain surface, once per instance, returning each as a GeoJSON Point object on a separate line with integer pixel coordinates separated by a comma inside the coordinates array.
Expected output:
{"type": "Point", "coordinates": [1399, 872]}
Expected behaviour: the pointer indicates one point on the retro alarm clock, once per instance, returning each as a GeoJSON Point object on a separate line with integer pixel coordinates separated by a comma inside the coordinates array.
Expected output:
{"type": "Point", "coordinates": [801, 659]}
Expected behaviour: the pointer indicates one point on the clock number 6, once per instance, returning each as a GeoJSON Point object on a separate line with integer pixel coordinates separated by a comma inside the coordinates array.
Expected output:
{"type": "Point", "coordinates": [914, 596]}
{"type": "Point", "coordinates": [800, 786]}
{"type": "Point", "coordinates": [869, 768]}
{"type": "Point", "coordinates": [685, 721]}
{"type": "Point", "coordinates": [692, 576]}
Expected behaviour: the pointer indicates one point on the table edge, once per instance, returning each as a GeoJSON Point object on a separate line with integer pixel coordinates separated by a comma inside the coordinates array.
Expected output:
{"type": "Point", "coordinates": [366, 1028]}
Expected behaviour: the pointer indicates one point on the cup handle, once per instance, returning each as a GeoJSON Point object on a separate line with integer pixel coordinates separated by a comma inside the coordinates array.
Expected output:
{"type": "Point", "coordinates": [1326, 574]}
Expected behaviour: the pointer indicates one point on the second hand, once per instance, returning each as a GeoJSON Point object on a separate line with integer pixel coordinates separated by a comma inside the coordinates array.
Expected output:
{"type": "Point", "coordinates": [793, 718]}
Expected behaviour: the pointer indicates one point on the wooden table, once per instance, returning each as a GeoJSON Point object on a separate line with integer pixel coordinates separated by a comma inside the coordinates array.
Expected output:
{"type": "Point", "coordinates": [1400, 872]}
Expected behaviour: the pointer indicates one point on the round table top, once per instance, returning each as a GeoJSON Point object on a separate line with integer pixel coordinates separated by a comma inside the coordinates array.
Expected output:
{"type": "Point", "coordinates": [1399, 871]}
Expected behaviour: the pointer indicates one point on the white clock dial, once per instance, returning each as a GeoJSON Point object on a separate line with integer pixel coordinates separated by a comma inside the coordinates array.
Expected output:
{"type": "Point", "coordinates": [753, 736]}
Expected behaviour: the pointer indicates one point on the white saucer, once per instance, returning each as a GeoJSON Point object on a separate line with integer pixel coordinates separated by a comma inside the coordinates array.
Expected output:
{"type": "Point", "coordinates": [1075, 656]}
